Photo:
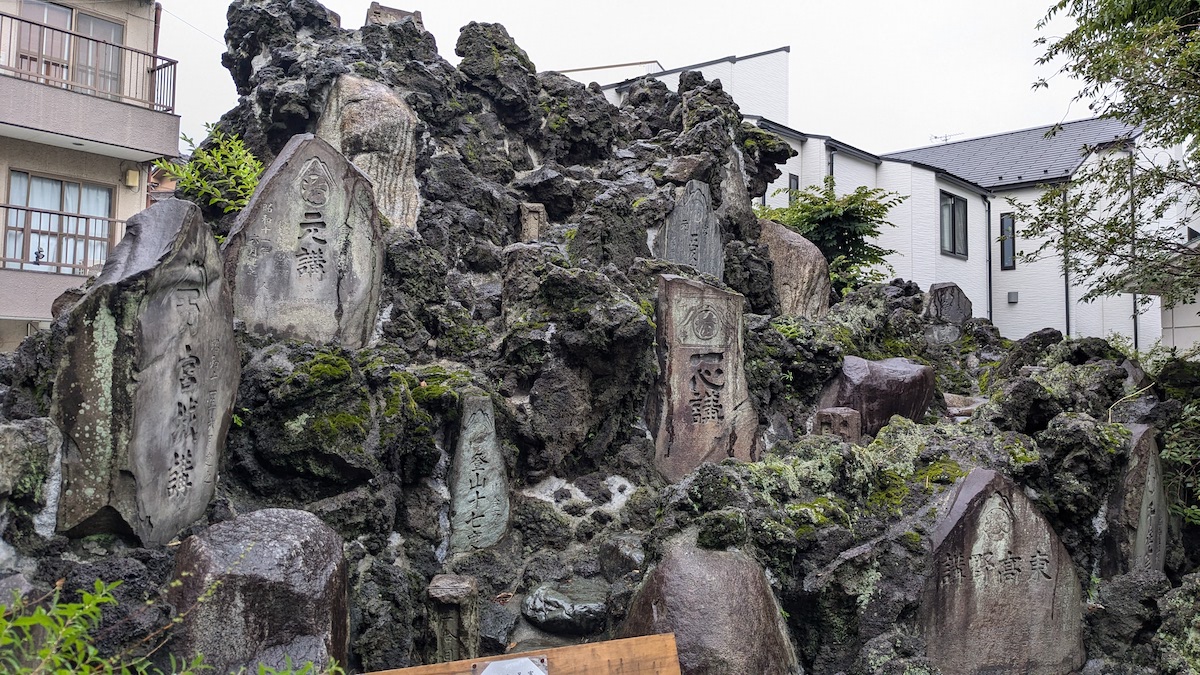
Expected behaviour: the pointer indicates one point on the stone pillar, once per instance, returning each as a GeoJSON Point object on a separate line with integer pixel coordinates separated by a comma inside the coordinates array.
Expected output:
{"type": "Point", "coordinates": [479, 506]}
{"type": "Point", "coordinates": [533, 221]}
{"type": "Point", "coordinates": [1136, 537]}
{"type": "Point", "coordinates": [305, 257]}
{"type": "Point", "coordinates": [144, 392]}
{"type": "Point", "coordinates": [1003, 596]}
{"type": "Point", "coordinates": [691, 235]}
{"type": "Point", "coordinates": [703, 407]}
{"type": "Point", "coordinates": [455, 616]}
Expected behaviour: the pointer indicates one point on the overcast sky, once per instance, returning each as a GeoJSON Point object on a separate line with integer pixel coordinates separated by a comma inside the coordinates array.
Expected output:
{"type": "Point", "coordinates": [883, 75]}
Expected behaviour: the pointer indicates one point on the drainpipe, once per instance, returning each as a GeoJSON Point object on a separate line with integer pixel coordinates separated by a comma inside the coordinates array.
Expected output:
{"type": "Point", "coordinates": [829, 169]}
{"type": "Point", "coordinates": [1133, 244]}
{"type": "Point", "coordinates": [987, 209]}
{"type": "Point", "coordinates": [1066, 269]}
{"type": "Point", "coordinates": [157, 24]}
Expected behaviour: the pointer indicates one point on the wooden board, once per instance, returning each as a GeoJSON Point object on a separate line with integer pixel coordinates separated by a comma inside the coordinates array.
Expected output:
{"type": "Point", "coordinates": [650, 655]}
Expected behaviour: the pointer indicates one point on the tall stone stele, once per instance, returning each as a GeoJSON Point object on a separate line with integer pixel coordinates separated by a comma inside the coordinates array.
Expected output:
{"type": "Point", "coordinates": [702, 408]}
{"type": "Point", "coordinates": [479, 506]}
{"type": "Point", "coordinates": [144, 392]}
{"type": "Point", "coordinates": [1137, 514]}
{"type": "Point", "coordinates": [305, 258]}
{"type": "Point", "coordinates": [691, 235]}
{"type": "Point", "coordinates": [1003, 596]}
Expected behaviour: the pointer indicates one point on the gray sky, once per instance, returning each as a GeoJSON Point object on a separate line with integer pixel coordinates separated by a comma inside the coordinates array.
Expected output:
{"type": "Point", "coordinates": [883, 75]}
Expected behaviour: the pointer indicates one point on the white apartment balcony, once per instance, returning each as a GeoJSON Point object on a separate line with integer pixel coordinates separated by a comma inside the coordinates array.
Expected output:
{"type": "Point", "coordinates": [65, 89]}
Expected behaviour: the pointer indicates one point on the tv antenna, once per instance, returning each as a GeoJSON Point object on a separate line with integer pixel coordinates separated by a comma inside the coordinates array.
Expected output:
{"type": "Point", "coordinates": [944, 138]}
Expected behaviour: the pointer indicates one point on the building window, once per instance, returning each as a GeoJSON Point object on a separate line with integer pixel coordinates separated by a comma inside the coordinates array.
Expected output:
{"type": "Point", "coordinates": [793, 186]}
{"type": "Point", "coordinates": [954, 225]}
{"type": "Point", "coordinates": [1008, 242]}
{"type": "Point", "coordinates": [56, 225]}
{"type": "Point", "coordinates": [90, 64]}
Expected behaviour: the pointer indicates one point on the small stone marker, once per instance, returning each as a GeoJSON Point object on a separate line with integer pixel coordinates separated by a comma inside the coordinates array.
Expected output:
{"type": "Point", "coordinates": [704, 411]}
{"type": "Point", "coordinates": [1003, 596]}
{"type": "Point", "coordinates": [880, 389]}
{"type": "Point", "coordinates": [533, 221]}
{"type": "Point", "coordinates": [845, 423]}
{"type": "Point", "coordinates": [947, 302]}
{"type": "Point", "coordinates": [1136, 537]}
{"type": "Point", "coordinates": [479, 483]}
{"type": "Point", "coordinates": [455, 616]}
{"type": "Point", "coordinates": [380, 15]}
{"type": "Point", "coordinates": [691, 235]}
{"type": "Point", "coordinates": [799, 271]}
{"type": "Point", "coordinates": [377, 131]}
{"type": "Point", "coordinates": [304, 257]}
{"type": "Point", "coordinates": [144, 392]}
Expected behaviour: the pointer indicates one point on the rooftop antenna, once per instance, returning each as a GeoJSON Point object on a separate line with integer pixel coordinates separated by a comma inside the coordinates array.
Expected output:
{"type": "Point", "coordinates": [944, 138]}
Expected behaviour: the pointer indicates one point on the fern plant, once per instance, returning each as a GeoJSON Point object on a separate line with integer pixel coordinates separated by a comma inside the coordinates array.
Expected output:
{"type": "Point", "coordinates": [222, 173]}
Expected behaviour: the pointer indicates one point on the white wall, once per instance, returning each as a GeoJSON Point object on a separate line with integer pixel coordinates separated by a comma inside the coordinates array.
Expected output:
{"type": "Point", "coordinates": [1181, 326]}
{"type": "Point", "coordinates": [794, 166]}
{"type": "Point", "coordinates": [849, 173]}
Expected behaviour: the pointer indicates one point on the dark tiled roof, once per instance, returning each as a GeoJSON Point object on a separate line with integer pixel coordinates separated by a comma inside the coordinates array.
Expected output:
{"type": "Point", "coordinates": [1021, 157]}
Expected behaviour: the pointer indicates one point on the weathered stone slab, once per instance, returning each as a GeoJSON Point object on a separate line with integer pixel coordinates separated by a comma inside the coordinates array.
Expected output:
{"type": "Point", "coordinates": [455, 616]}
{"type": "Point", "coordinates": [1003, 596]}
{"type": "Point", "coordinates": [721, 609]}
{"type": "Point", "coordinates": [880, 389]}
{"type": "Point", "coordinates": [845, 423]}
{"type": "Point", "coordinates": [479, 505]}
{"type": "Point", "coordinates": [703, 411]}
{"type": "Point", "coordinates": [799, 271]}
{"type": "Point", "coordinates": [534, 221]}
{"type": "Point", "coordinates": [691, 235]}
{"type": "Point", "coordinates": [304, 258]}
{"type": "Point", "coordinates": [274, 586]}
{"type": "Point", "coordinates": [1136, 537]}
{"type": "Point", "coordinates": [144, 392]}
{"type": "Point", "coordinates": [947, 302]}
{"type": "Point", "coordinates": [376, 130]}
{"type": "Point", "coordinates": [576, 607]}
{"type": "Point", "coordinates": [380, 15]}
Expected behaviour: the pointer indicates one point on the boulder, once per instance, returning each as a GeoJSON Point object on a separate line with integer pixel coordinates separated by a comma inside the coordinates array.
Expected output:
{"type": "Point", "coordinates": [261, 588]}
{"type": "Point", "coordinates": [576, 607]}
{"type": "Point", "coordinates": [720, 607]}
{"type": "Point", "coordinates": [946, 302]}
{"type": "Point", "coordinates": [880, 389]}
{"type": "Point", "coordinates": [800, 271]}
{"type": "Point", "coordinates": [144, 389]}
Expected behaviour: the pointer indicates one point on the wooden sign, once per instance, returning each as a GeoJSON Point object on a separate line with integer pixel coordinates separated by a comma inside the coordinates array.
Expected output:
{"type": "Point", "coordinates": [650, 655]}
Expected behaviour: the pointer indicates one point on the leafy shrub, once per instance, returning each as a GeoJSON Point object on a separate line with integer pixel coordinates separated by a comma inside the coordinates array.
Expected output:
{"type": "Point", "coordinates": [1181, 464]}
{"type": "Point", "coordinates": [222, 173]}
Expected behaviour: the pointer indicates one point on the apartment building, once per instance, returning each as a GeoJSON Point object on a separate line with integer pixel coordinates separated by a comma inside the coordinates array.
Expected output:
{"type": "Point", "coordinates": [86, 103]}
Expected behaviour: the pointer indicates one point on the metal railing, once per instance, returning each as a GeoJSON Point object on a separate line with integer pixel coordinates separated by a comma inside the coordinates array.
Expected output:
{"type": "Point", "coordinates": [37, 240]}
{"type": "Point", "coordinates": [35, 51]}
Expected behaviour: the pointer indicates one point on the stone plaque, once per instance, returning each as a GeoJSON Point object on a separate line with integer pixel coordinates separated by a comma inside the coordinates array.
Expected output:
{"type": "Point", "coordinates": [947, 302]}
{"type": "Point", "coordinates": [703, 409]}
{"type": "Point", "coordinates": [144, 392]}
{"type": "Point", "coordinates": [691, 235]}
{"type": "Point", "coordinates": [304, 257]}
{"type": "Point", "coordinates": [799, 271]}
{"type": "Point", "coordinates": [455, 616]}
{"type": "Point", "coordinates": [479, 505]}
{"type": "Point", "coordinates": [844, 423]}
{"type": "Point", "coordinates": [533, 221]}
{"type": "Point", "coordinates": [377, 131]}
{"type": "Point", "coordinates": [1137, 511]}
{"type": "Point", "coordinates": [1002, 595]}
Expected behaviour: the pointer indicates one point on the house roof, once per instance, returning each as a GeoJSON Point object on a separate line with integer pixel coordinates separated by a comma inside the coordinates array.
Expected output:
{"type": "Point", "coordinates": [1024, 157]}
{"type": "Point", "coordinates": [625, 84]}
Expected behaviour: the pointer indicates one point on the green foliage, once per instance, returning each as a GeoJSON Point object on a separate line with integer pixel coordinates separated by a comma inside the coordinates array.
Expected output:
{"type": "Point", "coordinates": [222, 173]}
{"type": "Point", "coordinates": [1137, 61]}
{"type": "Point", "coordinates": [1181, 464]}
{"type": "Point", "coordinates": [843, 228]}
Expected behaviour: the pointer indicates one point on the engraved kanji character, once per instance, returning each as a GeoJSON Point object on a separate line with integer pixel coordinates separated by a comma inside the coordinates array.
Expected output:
{"type": "Point", "coordinates": [982, 566]}
{"type": "Point", "coordinates": [186, 368]}
{"type": "Point", "coordinates": [1039, 565]}
{"type": "Point", "coordinates": [1010, 567]}
{"type": "Point", "coordinates": [952, 568]}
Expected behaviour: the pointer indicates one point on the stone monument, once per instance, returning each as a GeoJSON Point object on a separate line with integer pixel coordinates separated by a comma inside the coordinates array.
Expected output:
{"type": "Point", "coordinates": [703, 411]}
{"type": "Point", "coordinates": [376, 130]}
{"type": "Point", "coordinates": [799, 271]}
{"type": "Point", "coordinates": [880, 389]}
{"type": "Point", "coordinates": [1003, 596]}
{"type": "Point", "coordinates": [479, 506]}
{"type": "Point", "coordinates": [1136, 536]}
{"type": "Point", "coordinates": [947, 302]}
{"type": "Point", "coordinates": [533, 221]}
{"type": "Point", "coordinates": [304, 258]}
{"type": "Point", "coordinates": [144, 391]}
{"type": "Point", "coordinates": [455, 616]}
{"type": "Point", "coordinates": [845, 423]}
{"type": "Point", "coordinates": [691, 235]}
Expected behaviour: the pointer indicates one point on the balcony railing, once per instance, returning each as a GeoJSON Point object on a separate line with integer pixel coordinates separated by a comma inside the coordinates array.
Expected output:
{"type": "Point", "coordinates": [37, 240]}
{"type": "Point", "coordinates": [35, 51]}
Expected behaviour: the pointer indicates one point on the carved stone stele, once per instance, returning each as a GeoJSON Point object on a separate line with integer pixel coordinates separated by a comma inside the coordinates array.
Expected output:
{"type": "Point", "coordinates": [455, 616]}
{"type": "Point", "coordinates": [1136, 537]}
{"type": "Point", "coordinates": [304, 258]}
{"type": "Point", "coordinates": [144, 392]}
{"type": "Point", "coordinates": [1002, 595]}
{"type": "Point", "coordinates": [691, 235]}
{"type": "Point", "coordinates": [702, 408]}
{"type": "Point", "coordinates": [479, 506]}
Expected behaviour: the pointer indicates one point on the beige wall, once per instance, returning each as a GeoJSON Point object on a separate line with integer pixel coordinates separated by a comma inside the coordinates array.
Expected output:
{"type": "Point", "coordinates": [82, 166]}
{"type": "Point", "coordinates": [136, 15]}
{"type": "Point", "coordinates": [27, 296]}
